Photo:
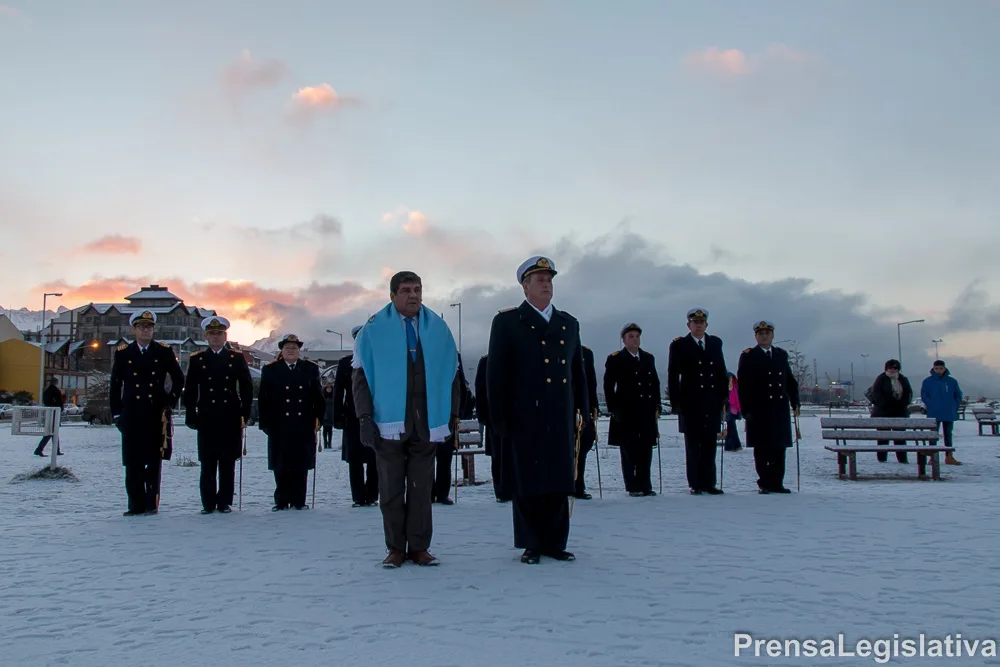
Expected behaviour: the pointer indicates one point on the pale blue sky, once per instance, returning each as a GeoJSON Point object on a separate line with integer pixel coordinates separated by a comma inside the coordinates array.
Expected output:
{"type": "Point", "coordinates": [858, 146]}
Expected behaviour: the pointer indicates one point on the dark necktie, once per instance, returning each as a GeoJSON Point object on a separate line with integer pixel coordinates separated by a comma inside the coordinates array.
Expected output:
{"type": "Point", "coordinates": [411, 338]}
{"type": "Point", "coordinates": [142, 351]}
{"type": "Point", "coordinates": [701, 344]}
{"type": "Point", "coordinates": [768, 353]}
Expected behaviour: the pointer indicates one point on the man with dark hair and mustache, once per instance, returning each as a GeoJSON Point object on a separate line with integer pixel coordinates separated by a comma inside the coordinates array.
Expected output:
{"type": "Point", "coordinates": [406, 394]}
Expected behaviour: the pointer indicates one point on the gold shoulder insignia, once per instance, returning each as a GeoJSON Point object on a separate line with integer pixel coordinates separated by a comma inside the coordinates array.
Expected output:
{"type": "Point", "coordinates": [507, 310]}
{"type": "Point", "coordinates": [195, 354]}
{"type": "Point", "coordinates": [163, 344]}
{"type": "Point", "coordinates": [615, 352]}
{"type": "Point", "coordinates": [122, 346]}
{"type": "Point", "coordinates": [747, 350]}
{"type": "Point", "coordinates": [677, 339]}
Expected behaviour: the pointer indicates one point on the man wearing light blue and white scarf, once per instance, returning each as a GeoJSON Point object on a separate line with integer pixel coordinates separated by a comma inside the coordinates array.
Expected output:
{"type": "Point", "coordinates": [406, 394]}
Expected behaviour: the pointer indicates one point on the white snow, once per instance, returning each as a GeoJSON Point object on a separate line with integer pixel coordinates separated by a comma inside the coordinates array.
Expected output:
{"type": "Point", "coordinates": [657, 581]}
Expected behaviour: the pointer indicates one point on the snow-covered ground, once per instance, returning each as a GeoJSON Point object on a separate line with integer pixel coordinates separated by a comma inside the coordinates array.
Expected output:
{"type": "Point", "coordinates": [663, 581]}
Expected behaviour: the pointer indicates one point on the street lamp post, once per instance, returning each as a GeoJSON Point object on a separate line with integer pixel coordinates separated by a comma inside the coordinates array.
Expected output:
{"type": "Point", "coordinates": [41, 340]}
{"type": "Point", "coordinates": [937, 341]}
{"type": "Point", "coordinates": [899, 340]}
{"type": "Point", "coordinates": [459, 305]}
{"type": "Point", "coordinates": [339, 334]}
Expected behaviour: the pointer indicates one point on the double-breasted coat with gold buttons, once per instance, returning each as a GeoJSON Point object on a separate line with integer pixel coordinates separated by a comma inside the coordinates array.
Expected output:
{"type": "Point", "coordinates": [632, 392]}
{"type": "Point", "coordinates": [217, 394]}
{"type": "Point", "coordinates": [290, 402]}
{"type": "Point", "coordinates": [767, 390]}
{"type": "Point", "coordinates": [535, 383]}
{"type": "Point", "coordinates": [698, 384]}
{"type": "Point", "coordinates": [139, 398]}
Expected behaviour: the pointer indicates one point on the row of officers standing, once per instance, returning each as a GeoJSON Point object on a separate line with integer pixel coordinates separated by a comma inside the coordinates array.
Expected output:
{"type": "Point", "coordinates": [218, 395]}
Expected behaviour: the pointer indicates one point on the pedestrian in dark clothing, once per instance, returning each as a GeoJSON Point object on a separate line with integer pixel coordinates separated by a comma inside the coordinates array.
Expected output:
{"type": "Point", "coordinates": [142, 412]}
{"type": "Point", "coordinates": [328, 400]}
{"type": "Point", "coordinates": [291, 406]}
{"type": "Point", "coordinates": [361, 466]}
{"type": "Point", "coordinates": [588, 437]}
{"type": "Point", "coordinates": [537, 390]}
{"type": "Point", "coordinates": [891, 396]}
{"type": "Point", "coordinates": [217, 399]}
{"type": "Point", "coordinates": [51, 398]}
{"type": "Point", "coordinates": [445, 455]}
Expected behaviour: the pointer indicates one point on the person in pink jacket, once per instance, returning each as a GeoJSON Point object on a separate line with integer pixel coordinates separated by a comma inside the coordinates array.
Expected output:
{"type": "Point", "coordinates": [733, 413]}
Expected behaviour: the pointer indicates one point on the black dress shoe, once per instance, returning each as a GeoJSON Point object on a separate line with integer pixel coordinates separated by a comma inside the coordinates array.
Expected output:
{"type": "Point", "coordinates": [695, 492]}
{"type": "Point", "coordinates": [151, 512]}
{"type": "Point", "coordinates": [357, 504]}
{"type": "Point", "coordinates": [561, 555]}
{"type": "Point", "coordinates": [225, 509]}
{"type": "Point", "coordinates": [582, 496]}
{"type": "Point", "coordinates": [132, 513]}
{"type": "Point", "coordinates": [781, 489]}
{"type": "Point", "coordinates": [649, 493]}
{"type": "Point", "coordinates": [530, 557]}
{"type": "Point", "coordinates": [714, 492]}
{"type": "Point", "coordinates": [446, 501]}
{"type": "Point", "coordinates": [762, 491]}
{"type": "Point", "coordinates": [278, 508]}
{"type": "Point", "coordinates": [207, 511]}
{"type": "Point", "coordinates": [301, 507]}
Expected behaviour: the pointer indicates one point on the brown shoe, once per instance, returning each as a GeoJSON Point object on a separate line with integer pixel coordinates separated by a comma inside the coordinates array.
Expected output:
{"type": "Point", "coordinates": [394, 559]}
{"type": "Point", "coordinates": [423, 558]}
{"type": "Point", "coordinates": [951, 460]}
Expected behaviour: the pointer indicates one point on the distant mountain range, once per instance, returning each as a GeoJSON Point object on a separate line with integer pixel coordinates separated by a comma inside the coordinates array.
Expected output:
{"type": "Point", "coordinates": [29, 320]}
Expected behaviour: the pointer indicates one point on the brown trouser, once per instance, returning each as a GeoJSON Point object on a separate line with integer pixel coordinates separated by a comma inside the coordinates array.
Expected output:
{"type": "Point", "coordinates": [405, 483]}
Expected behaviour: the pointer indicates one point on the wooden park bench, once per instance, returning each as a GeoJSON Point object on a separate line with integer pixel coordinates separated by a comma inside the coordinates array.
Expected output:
{"type": "Point", "coordinates": [860, 435]}
{"type": "Point", "coordinates": [986, 417]}
{"type": "Point", "coordinates": [470, 443]}
{"type": "Point", "coordinates": [962, 406]}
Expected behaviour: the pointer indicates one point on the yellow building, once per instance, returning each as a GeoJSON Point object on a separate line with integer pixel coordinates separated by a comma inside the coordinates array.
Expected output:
{"type": "Point", "coordinates": [19, 366]}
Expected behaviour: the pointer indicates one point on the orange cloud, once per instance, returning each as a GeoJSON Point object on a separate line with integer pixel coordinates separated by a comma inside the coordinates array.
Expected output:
{"type": "Point", "coordinates": [114, 244]}
{"type": "Point", "coordinates": [734, 62]}
{"type": "Point", "coordinates": [314, 100]}
{"type": "Point", "coordinates": [413, 222]}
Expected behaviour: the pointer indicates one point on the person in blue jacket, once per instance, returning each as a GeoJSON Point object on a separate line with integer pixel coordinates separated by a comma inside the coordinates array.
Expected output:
{"type": "Point", "coordinates": [942, 396]}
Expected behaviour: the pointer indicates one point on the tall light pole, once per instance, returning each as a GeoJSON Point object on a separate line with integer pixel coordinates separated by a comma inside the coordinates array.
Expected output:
{"type": "Point", "coordinates": [459, 306]}
{"type": "Point", "coordinates": [864, 361]}
{"type": "Point", "coordinates": [899, 343]}
{"type": "Point", "coordinates": [339, 334]}
{"type": "Point", "coordinates": [937, 341]}
{"type": "Point", "coordinates": [41, 340]}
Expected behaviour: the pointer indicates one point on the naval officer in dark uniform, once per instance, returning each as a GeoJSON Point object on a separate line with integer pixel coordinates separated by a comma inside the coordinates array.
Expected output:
{"type": "Point", "coordinates": [767, 390]}
{"type": "Point", "coordinates": [698, 384]}
{"type": "Point", "coordinates": [218, 396]}
{"type": "Point", "coordinates": [140, 407]}
{"type": "Point", "coordinates": [632, 391]}
{"type": "Point", "coordinates": [291, 405]}
{"type": "Point", "coordinates": [360, 459]}
{"type": "Point", "coordinates": [536, 387]}
{"type": "Point", "coordinates": [588, 437]}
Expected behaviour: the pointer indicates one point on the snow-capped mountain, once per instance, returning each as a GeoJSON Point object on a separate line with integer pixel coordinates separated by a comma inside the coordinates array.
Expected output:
{"type": "Point", "coordinates": [29, 320]}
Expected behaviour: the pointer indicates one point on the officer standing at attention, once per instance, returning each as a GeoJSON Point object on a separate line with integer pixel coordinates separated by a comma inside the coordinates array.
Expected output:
{"type": "Point", "coordinates": [632, 390]}
{"type": "Point", "coordinates": [364, 489]}
{"type": "Point", "coordinates": [218, 396]}
{"type": "Point", "coordinates": [698, 384]}
{"type": "Point", "coordinates": [290, 402]}
{"type": "Point", "coordinates": [767, 389]}
{"type": "Point", "coordinates": [139, 403]}
{"type": "Point", "coordinates": [536, 385]}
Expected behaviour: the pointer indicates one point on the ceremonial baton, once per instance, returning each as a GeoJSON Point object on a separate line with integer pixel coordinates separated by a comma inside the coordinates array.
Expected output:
{"type": "Point", "coordinates": [597, 453]}
{"type": "Point", "coordinates": [722, 463]}
{"type": "Point", "coordinates": [576, 457]}
{"type": "Point", "coordinates": [798, 470]}
{"type": "Point", "coordinates": [319, 448]}
{"type": "Point", "coordinates": [659, 457]}
{"type": "Point", "coordinates": [243, 426]}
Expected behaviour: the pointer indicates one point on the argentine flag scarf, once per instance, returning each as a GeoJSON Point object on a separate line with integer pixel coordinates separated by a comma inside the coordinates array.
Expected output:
{"type": "Point", "coordinates": [380, 350]}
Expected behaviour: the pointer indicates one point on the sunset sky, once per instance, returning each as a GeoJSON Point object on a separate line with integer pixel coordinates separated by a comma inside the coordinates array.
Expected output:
{"type": "Point", "coordinates": [267, 158]}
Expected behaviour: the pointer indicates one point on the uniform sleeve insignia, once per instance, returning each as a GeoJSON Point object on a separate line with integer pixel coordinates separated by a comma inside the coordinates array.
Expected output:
{"type": "Point", "coordinates": [122, 346]}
